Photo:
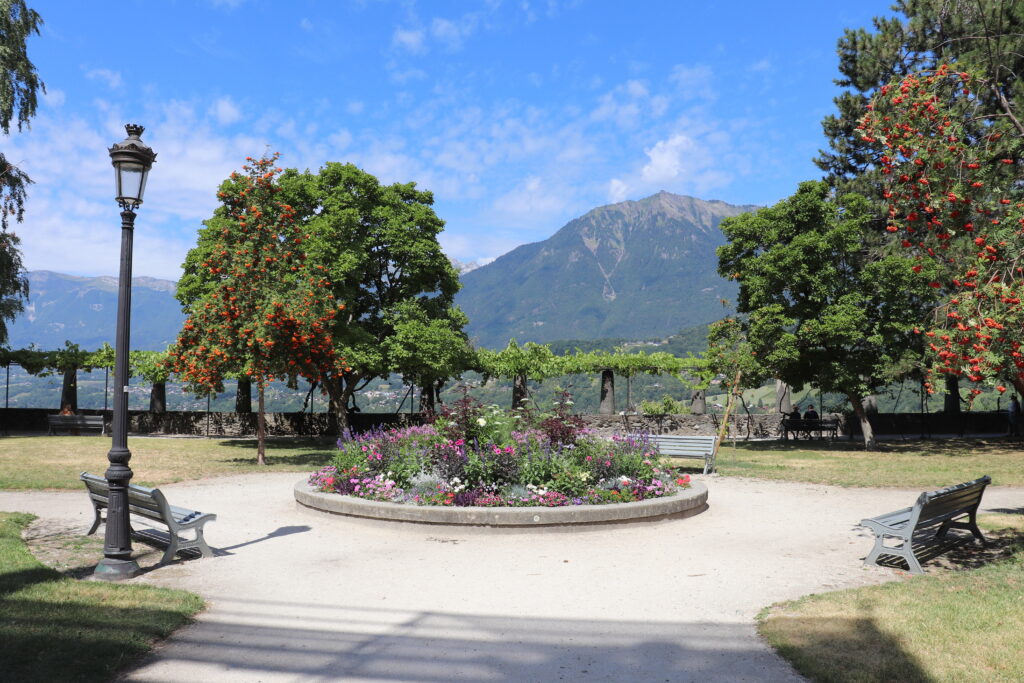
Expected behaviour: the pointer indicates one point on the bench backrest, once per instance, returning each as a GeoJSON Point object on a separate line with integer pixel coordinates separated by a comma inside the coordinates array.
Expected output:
{"type": "Point", "coordinates": [934, 507]}
{"type": "Point", "coordinates": [677, 444]}
{"type": "Point", "coordinates": [141, 500]}
{"type": "Point", "coordinates": [75, 419]}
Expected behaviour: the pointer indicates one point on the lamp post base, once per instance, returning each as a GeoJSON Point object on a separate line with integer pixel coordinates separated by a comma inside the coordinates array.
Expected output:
{"type": "Point", "coordinates": [116, 570]}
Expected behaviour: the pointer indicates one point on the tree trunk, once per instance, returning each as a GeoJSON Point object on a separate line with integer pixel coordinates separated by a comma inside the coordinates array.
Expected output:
{"type": "Point", "coordinates": [870, 403]}
{"type": "Point", "coordinates": [158, 398]}
{"type": "Point", "coordinates": [261, 427]}
{"type": "Point", "coordinates": [607, 393]}
{"type": "Point", "coordinates": [243, 396]}
{"type": "Point", "coordinates": [865, 425]}
{"type": "Point", "coordinates": [951, 403]}
{"type": "Point", "coordinates": [783, 397]}
{"type": "Point", "coordinates": [698, 403]}
{"type": "Point", "coordinates": [69, 390]}
{"type": "Point", "coordinates": [427, 399]}
{"type": "Point", "coordinates": [518, 391]}
{"type": "Point", "coordinates": [339, 392]}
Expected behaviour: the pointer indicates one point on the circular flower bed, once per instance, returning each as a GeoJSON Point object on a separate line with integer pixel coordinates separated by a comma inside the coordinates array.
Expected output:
{"type": "Point", "coordinates": [474, 457]}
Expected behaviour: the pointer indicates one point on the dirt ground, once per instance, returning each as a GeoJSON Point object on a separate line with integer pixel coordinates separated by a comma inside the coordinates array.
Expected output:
{"type": "Point", "coordinates": [295, 594]}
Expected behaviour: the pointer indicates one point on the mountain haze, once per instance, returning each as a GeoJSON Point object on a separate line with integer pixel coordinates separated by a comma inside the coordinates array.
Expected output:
{"type": "Point", "coordinates": [635, 269]}
{"type": "Point", "coordinates": [83, 310]}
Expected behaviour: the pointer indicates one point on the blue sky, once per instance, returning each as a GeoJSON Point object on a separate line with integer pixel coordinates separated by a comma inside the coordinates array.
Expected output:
{"type": "Point", "coordinates": [518, 115]}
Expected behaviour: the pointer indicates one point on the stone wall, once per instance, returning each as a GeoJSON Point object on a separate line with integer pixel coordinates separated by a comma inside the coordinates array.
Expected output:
{"type": "Point", "coordinates": [740, 426]}
{"type": "Point", "coordinates": [29, 420]}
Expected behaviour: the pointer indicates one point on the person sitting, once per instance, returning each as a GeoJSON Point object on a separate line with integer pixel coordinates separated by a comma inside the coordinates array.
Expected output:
{"type": "Point", "coordinates": [811, 413]}
{"type": "Point", "coordinates": [66, 410]}
{"type": "Point", "coordinates": [795, 415]}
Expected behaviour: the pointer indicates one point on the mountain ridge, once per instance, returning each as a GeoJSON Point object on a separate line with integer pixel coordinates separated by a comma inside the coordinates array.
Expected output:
{"type": "Point", "coordinates": [619, 270]}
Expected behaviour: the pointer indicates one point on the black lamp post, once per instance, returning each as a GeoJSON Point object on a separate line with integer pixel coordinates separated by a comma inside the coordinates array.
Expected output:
{"type": "Point", "coordinates": [132, 160]}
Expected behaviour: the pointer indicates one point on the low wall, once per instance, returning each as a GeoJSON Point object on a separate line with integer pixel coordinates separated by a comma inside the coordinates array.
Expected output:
{"type": "Point", "coordinates": [740, 426]}
{"type": "Point", "coordinates": [305, 424]}
{"type": "Point", "coordinates": [196, 423]}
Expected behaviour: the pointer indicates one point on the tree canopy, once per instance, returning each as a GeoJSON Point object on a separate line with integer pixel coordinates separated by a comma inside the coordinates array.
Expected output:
{"type": "Point", "coordinates": [19, 84]}
{"type": "Point", "coordinates": [264, 311]}
{"type": "Point", "coordinates": [986, 35]}
{"type": "Point", "coordinates": [951, 170]}
{"type": "Point", "coordinates": [822, 309]}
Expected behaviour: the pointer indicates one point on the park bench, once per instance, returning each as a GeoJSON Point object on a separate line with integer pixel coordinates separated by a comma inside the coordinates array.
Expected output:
{"type": "Point", "coordinates": [678, 446]}
{"type": "Point", "coordinates": [806, 427]}
{"type": "Point", "coordinates": [151, 504]}
{"type": "Point", "coordinates": [74, 422]}
{"type": "Point", "coordinates": [944, 508]}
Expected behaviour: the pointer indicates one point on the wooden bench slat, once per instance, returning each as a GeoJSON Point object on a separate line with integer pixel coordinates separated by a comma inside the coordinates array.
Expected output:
{"type": "Point", "coordinates": [683, 446]}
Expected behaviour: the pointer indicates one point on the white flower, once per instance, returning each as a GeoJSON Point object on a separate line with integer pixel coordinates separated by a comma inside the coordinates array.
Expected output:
{"type": "Point", "coordinates": [481, 421]}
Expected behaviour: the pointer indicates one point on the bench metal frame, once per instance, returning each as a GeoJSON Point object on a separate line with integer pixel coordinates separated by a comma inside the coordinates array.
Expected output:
{"type": "Point", "coordinates": [151, 504]}
{"type": "Point", "coordinates": [945, 508]}
{"type": "Point", "coordinates": [69, 422]}
{"type": "Point", "coordinates": [679, 446]}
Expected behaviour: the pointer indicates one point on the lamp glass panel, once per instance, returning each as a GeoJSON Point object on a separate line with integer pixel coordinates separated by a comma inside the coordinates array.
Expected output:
{"type": "Point", "coordinates": [131, 181]}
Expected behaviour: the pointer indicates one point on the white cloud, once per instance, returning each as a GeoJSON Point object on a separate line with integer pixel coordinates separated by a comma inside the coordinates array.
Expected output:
{"type": "Point", "coordinates": [53, 98]}
{"type": "Point", "coordinates": [693, 82]}
{"type": "Point", "coordinates": [761, 65]}
{"type": "Point", "coordinates": [225, 111]}
{"type": "Point", "coordinates": [534, 201]}
{"type": "Point", "coordinates": [306, 25]}
{"type": "Point", "coordinates": [111, 78]}
{"type": "Point", "coordinates": [354, 107]}
{"type": "Point", "coordinates": [411, 40]}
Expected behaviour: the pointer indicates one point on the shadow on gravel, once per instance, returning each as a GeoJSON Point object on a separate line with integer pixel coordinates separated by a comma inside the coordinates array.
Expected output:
{"type": "Point", "coordinates": [265, 639]}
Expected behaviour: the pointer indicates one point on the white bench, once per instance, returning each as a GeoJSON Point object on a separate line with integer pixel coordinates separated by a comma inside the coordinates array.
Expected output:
{"type": "Point", "coordinates": [679, 446]}
{"type": "Point", "coordinates": [151, 504]}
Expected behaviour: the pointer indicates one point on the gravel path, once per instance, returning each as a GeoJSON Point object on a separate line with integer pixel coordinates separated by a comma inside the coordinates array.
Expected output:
{"type": "Point", "coordinates": [297, 595]}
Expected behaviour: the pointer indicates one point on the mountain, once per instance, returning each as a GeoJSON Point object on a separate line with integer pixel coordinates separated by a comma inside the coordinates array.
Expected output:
{"type": "Point", "coordinates": [635, 269]}
{"type": "Point", "coordinates": [84, 311]}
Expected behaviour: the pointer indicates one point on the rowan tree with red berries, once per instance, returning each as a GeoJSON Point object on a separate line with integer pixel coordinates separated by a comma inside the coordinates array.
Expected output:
{"type": "Point", "coordinates": [265, 314]}
{"type": "Point", "coordinates": [951, 170]}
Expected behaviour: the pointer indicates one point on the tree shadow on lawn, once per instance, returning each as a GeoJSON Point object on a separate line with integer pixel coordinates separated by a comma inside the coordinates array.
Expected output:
{"type": "Point", "coordinates": [923, 448]}
{"type": "Point", "coordinates": [318, 451]}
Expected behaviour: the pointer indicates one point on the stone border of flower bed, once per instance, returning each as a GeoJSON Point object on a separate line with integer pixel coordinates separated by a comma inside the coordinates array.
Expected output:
{"type": "Point", "coordinates": [687, 502]}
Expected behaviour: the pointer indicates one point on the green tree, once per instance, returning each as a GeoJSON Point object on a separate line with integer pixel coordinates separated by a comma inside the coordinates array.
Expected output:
{"type": "Point", "coordinates": [152, 366]}
{"type": "Point", "coordinates": [19, 84]}
{"type": "Point", "coordinates": [264, 311]}
{"type": "Point", "coordinates": [822, 309]}
{"type": "Point", "coordinates": [377, 246]}
{"type": "Point", "coordinates": [520, 363]}
{"type": "Point", "coordinates": [427, 352]}
{"type": "Point", "coordinates": [987, 35]}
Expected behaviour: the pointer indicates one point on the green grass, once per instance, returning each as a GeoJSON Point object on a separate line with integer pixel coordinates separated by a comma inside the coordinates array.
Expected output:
{"type": "Point", "coordinates": [54, 628]}
{"type": "Point", "coordinates": [54, 462]}
{"type": "Point", "coordinates": [958, 626]}
{"type": "Point", "coordinates": [912, 464]}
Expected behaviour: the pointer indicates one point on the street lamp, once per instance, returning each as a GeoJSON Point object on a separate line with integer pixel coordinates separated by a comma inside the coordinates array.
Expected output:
{"type": "Point", "coordinates": [132, 160]}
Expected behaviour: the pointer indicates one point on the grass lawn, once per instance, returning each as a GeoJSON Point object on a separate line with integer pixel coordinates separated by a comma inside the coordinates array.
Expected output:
{"type": "Point", "coordinates": [952, 626]}
{"type": "Point", "coordinates": [54, 462]}
{"type": "Point", "coordinates": [912, 464]}
{"type": "Point", "coordinates": [54, 628]}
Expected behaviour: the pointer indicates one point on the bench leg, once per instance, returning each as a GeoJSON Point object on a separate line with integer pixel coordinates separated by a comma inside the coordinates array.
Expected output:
{"type": "Point", "coordinates": [201, 542]}
{"type": "Point", "coordinates": [904, 550]}
{"type": "Point", "coordinates": [95, 523]}
{"type": "Point", "coordinates": [172, 548]}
